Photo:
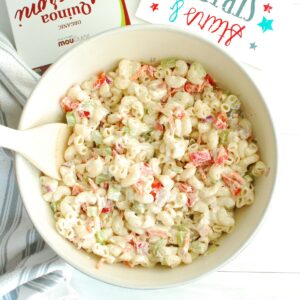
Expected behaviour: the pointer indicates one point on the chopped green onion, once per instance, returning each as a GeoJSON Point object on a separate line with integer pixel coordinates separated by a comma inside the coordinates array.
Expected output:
{"type": "Point", "coordinates": [102, 178]}
{"type": "Point", "coordinates": [177, 169]}
{"type": "Point", "coordinates": [96, 137]}
{"type": "Point", "coordinates": [224, 137]}
{"type": "Point", "coordinates": [113, 193]}
{"type": "Point", "coordinates": [180, 237]}
{"type": "Point", "coordinates": [91, 211]}
{"type": "Point", "coordinates": [100, 237]}
{"type": "Point", "coordinates": [71, 121]}
{"type": "Point", "coordinates": [168, 63]}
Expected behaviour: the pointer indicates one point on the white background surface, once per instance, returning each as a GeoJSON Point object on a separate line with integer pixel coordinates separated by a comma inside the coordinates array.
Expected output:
{"type": "Point", "coordinates": [269, 268]}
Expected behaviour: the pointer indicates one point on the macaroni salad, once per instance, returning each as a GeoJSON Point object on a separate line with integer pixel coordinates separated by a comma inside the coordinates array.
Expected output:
{"type": "Point", "coordinates": [159, 159]}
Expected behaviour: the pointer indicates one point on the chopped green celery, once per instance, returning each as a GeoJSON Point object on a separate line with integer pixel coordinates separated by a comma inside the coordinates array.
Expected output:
{"type": "Point", "coordinates": [100, 237]}
{"type": "Point", "coordinates": [224, 137]}
{"type": "Point", "coordinates": [168, 63]}
{"type": "Point", "coordinates": [96, 137]}
{"type": "Point", "coordinates": [138, 208]}
{"type": "Point", "coordinates": [211, 249]}
{"type": "Point", "coordinates": [180, 237]}
{"type": "Point", "coordinates": [91, 211]}
{"type": "Point", "coordinates": [158, 245]}
{"type": "Point", "coordinates": [177, 169]}
{"type": "Point", "coordinates": [113, 193]}
{"type": "Point", "coordinates": [71, 121]}
{"type": "Point", "coordinates": [102, 178]}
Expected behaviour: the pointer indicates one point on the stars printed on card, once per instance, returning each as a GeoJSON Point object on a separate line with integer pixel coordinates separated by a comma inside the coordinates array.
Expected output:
{"type": "Point", "coordinates": [267, 7]}
{"type": "Point", "coordinates": [154, 6]}
{"type": "Point", "coordinates": [253, 46]}
{"type": "Point", "coordinates": [265, 24]}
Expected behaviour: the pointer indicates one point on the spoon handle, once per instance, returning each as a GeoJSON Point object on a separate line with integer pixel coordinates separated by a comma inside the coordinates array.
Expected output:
{"type": "Point", "coordinates": [10, 138]}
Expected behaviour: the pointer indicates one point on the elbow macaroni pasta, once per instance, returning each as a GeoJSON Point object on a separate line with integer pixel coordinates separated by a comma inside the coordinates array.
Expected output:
{"type": "Point", "coordinates": [159, 160]}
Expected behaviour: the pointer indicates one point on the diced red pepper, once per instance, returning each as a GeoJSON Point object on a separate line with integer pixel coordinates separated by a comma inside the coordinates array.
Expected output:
{"type": "Point", "coordinates": [100, 80]}
{"type": "Point", "coordinates": [107, 209]}
{"type": "Point", "coordinates": [156, 186]}
{"type": "Point", "coordinates": [84, 114]}
{"type": "Point", "coordinates": [220, 121]}
{"type": "Point", "coordinates": [68, 105]}
{"type": "Point", "coordinates": [234, 181]}
{"type": "Point", "coordinates": [222, 156]}
{"type": "Point", "coordinates": [199, 158]}
{"type": "Point", "coordinates": [210, 80]}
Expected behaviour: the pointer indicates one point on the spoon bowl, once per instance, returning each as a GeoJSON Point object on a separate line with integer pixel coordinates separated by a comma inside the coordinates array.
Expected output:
{"type": "Point", "coordinates": [44, 146]}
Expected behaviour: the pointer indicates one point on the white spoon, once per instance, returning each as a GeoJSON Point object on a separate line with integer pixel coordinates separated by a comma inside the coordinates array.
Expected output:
{"type": "Point", "coordinates": [43, 146]}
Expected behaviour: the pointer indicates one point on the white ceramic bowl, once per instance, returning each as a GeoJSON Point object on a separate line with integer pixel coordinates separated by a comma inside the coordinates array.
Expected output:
{"type": "Point", "coordinates": [102, 53]}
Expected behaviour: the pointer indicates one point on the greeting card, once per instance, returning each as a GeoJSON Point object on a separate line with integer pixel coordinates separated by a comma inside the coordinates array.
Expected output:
{"type": "Point", "coordinates": [244, 28]}
{"type": "Point", "coordinates": [45, 29]}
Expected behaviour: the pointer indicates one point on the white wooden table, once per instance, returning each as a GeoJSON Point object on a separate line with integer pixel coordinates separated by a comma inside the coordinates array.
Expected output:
{"type": "Point", "coordinates": [269, 268]}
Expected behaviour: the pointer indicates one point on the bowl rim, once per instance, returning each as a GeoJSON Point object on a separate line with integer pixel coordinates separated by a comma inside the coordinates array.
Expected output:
{"type": "Point", "coordinates": [146, 27]}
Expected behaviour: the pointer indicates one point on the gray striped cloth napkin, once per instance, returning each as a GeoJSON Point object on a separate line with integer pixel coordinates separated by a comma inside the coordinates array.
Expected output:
{"type": "Point", "coordinates": [28, 267]}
